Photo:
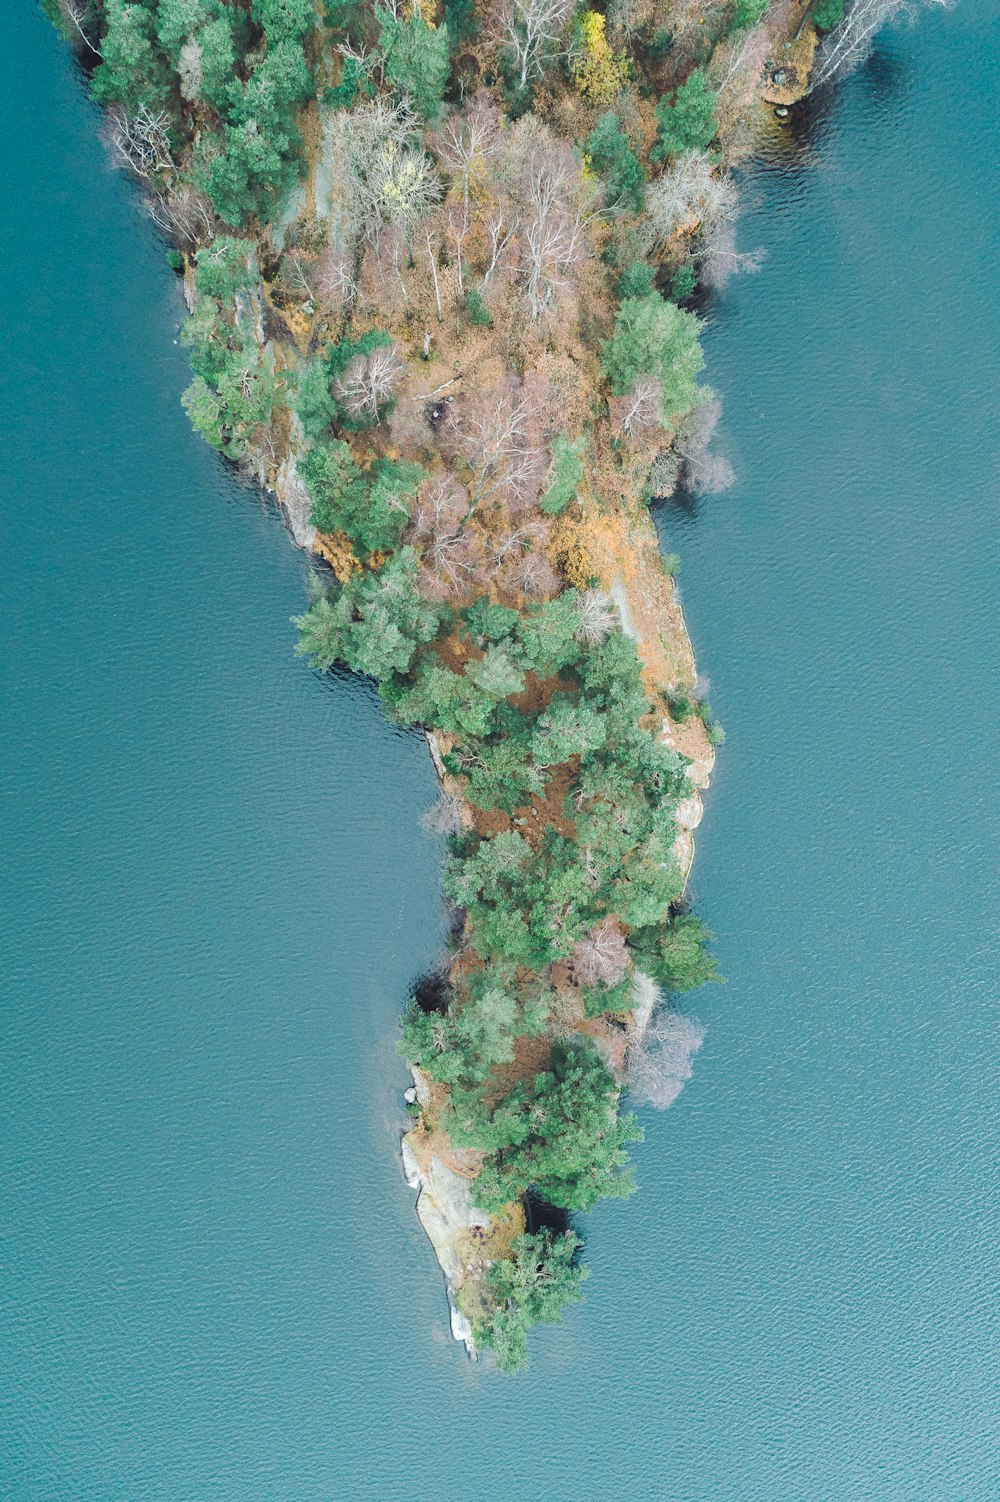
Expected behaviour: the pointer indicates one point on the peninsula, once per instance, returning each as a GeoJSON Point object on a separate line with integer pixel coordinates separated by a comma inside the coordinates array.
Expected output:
{"type": "Point", "coordinates": [442, 264]}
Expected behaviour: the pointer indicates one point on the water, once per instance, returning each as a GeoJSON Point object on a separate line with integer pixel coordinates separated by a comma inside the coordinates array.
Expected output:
{"type": "Point", "coordinates": [215, 889]}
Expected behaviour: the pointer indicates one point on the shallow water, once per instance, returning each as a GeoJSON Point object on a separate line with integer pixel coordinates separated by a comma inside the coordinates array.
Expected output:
{"type": "Point", "coordinates": [215, 888]}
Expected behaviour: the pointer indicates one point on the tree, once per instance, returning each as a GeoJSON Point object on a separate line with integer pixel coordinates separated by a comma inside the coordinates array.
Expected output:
{"type": "Point", "coordinates": [365, 387]}
{"type": "Point", "coordinates": [610, 154]}
{"type": "Point", "coordinates": [850, 41]}
{"type": "Point", "coordinates": [690, 196]}
{"type": "Point", "coordinates": [226, 267]}
{"type": "Point", "coordinates": [530, 1287]}
{"type": "Point", "coordinates": [601, 957]}
{"type": "Point", "coordinates": [533, 37]}
{"type": "Point", "coordinates": [565, 473]}
{"type": "Point", "coordinates": [416, 59]}
{"type": "Point", "coordinates": [658, 1064]}
{"type": "Point", "coordinates": [313, 401]}
{"type": "Point", "coordinates": [747, 13]}
{"type": "Point", "coordinates": [284, 20]}
{"type": "Point", "coordinates": [675, 952]}
{"type": "Point", "coordinates": [688, 122]}
{"type": "Point", "coordinates": [653, 337]}
{"type": "Point", "coordinates": [598, 74]}
{"type": "Point", "coordinates": [561, 1135]}
{"type": "Point", "coordinates": [374, 623]}
{"type": "Point", "coordinates": [244, 172]}
{"type": "Point", "coordinates": [329, 471]}
{"type": "Point", "coordinates": [132, 71]}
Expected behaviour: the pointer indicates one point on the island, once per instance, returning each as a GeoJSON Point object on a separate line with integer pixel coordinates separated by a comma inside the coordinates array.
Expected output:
{"type": "Point", "coordinates": [443, 265]}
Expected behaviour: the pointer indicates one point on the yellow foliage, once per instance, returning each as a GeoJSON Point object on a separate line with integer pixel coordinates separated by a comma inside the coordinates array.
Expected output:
{"type": "Point", "coordinates": [598, 74]}
{"type": "Point", "coordinates": [336, 548]}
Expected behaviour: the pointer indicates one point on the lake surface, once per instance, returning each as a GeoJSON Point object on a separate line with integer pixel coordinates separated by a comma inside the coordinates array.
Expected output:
{"type": "Point", "coordinates": [215, 888]}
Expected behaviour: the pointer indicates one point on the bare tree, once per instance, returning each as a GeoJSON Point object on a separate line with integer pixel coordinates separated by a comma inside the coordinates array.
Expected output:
{"type": "Point", "coordinates": [75, 14]}
{"type": "Point", "coordinates": [850, 42]}
{"type": "Point", "coordinates": [467, 142]}
{"type": "Point", "coordinates": [141, 142]}
{"type": "Point", "coordinates": [183, 214]}
{"type": "Point", "coordinates": [701, 472]}
{"type": "Point", "coordinates": [719, 259]}
{"type": "Point", "coordinates": [533, 575]}
{"type": "Point", "coordinates": [369, 381]}
{"type": "Point", "coordinates": [334, 279]}
{"type": "Point", "coordinates": [659, 1063]}
{"type": "Point", "coordinates": [493, 432]}
{"type": "Point", "coordinates": [601, 957]}
{"type": "Point", "coordinates": [691, 195]}
{"type": "Point", "coordinates": [556, 212]}
{"type": "Point", "coordinates": [637, 414]}
{"type": "Point", "coordinates": [533, 32]}
{"type": "Point", "coordinates": [500, 228]}
{"type": "Point", "coordinates": [444, 817]}
{"type": "Point", "coordinates": [598, 617]}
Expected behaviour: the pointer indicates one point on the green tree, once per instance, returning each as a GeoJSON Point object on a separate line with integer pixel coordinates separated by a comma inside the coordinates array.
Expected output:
{"type": "Point", "coordinates": [826, 14]}
{"type": "Point", "coordinates": [689, 122]}
{"type": "Point", "coordinates": [284, 19]}
{"type": "Point", "coordinates": [313, 402]}
{"type": "Point", "coordinates": [416, 60]}
{"type": "Point", "coordinates": [132, 71]}
{"type": "Point", "coordinates": [330, 472]}
{"type": "Point", "coordinates": [532, 1286]}
{"type": "Point", "coordinates": [674, 952]}
{"type": "Point", "coordinates": [636, 280]}
{"type": "Point", "coordinates": [245, 171]}
{"type": "Point", "coordinates": [654, 337]}
{"type": "Point", "coordinates": [747, 13]}
{"type": "Point", "coordinates": [374, 623]}
{"type": "Point", "coordinates": [610, 154]}
{"type": "Point", "coordinates": [225, 267]}
{"type": "Point", "coordinates": [565, 473]}
{"type": "Point", "coordinates": [561, 1135]}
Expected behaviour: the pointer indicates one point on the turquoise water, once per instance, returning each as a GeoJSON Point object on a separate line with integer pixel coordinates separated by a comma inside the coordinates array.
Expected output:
{"type": "Point", "coordinates": [215, 888]}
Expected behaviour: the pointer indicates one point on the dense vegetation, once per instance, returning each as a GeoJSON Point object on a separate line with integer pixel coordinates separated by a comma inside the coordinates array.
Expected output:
{"type": "Point", "coordinates": [438, 259]}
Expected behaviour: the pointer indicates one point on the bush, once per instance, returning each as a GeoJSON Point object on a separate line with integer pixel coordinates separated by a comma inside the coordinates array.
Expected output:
{"type": "Point", "coordinates": [475, 308]}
